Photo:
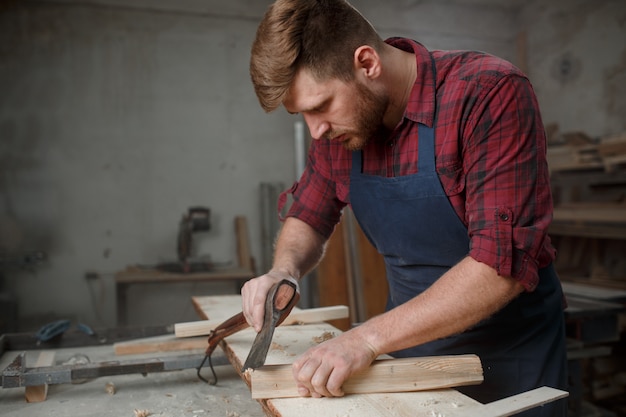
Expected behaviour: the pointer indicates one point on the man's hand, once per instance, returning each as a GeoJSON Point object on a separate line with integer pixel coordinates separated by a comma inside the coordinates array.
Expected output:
{"type": "Point", "coordinates": [254, 293]}
{"type": "Point", "coordinates": [322, 370]}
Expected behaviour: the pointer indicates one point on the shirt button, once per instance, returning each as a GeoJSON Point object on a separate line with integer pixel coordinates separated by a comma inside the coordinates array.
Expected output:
{"type": "Point", "coordinates": [504, 217]}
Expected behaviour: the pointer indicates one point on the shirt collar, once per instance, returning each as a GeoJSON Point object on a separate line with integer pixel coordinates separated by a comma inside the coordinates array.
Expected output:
{"type": "Point", "coordinates": [421, 105]}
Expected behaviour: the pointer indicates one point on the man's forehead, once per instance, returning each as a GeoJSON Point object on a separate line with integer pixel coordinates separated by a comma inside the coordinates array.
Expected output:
{"type": "Point", "coordinates": [307, 93]}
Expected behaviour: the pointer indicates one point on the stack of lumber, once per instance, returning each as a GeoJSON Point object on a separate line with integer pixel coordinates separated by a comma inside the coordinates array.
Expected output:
{"type": "Point", "coordinates": [577, 151]}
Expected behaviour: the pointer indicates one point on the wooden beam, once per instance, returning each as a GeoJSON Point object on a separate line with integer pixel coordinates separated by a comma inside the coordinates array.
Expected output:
{"type": "Point", "coordinates": [244, 255]}
{"type": "Point", "coordinates": [311, 315]}
{"type": "Point", "coordinates": [389, 375]}
{"type": "Point", "coordinates": [332, 273]}
{"type": "Point", "coordinates": [38, 393]}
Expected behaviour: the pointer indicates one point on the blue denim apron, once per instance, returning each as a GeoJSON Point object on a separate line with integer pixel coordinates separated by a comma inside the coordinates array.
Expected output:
{"type": "Point", "coordinates": [411, 222]}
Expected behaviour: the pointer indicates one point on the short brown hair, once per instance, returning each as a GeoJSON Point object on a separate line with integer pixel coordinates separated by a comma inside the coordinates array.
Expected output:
{"type": "Point", "coordinates": [320, 35]}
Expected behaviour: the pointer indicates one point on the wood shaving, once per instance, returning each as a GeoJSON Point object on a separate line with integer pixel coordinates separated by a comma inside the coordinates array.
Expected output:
{"type": "Point", "coordinates": [142, 413]}
{"type": "Point", "coordinates": [110, 389]}
{"type": "Point", "coordinates": [324, 337]}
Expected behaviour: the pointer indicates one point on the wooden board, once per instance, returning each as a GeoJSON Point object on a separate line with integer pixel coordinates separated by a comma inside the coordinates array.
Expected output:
{"type": "Point", "coordinates": [591, 212]}
{"type": "Point", "coordinates": [217, 307]}
{"type": "Point", "coordinates": [593, 292]}
{"type": "Point", "coordinates": [297, 316]}
{"type": "Point", "coordinates": [387, 375]}
{"type": "Point", "coordinates": [352, 272]}
{"type": "Point", "coordinates": [38, 393]}
{"type": "Point", "coordinates": [511, 405]}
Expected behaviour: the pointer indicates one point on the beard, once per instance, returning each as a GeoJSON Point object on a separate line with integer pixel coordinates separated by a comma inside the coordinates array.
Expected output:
{"type": "Point", "coordinates": [369, 112]}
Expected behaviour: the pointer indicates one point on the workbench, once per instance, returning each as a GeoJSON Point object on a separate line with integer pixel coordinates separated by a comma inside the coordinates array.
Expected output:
{"type": "Point", "coordinates": [181, 393]}
{"type": "Point", "coordinates": [139, 276]}
{"type": "Point", "coordinates": [289, 342]}
{"type": "Point", "coordinates": [166, 394]}
{"type": "Point", "coordinates": [242, 271]}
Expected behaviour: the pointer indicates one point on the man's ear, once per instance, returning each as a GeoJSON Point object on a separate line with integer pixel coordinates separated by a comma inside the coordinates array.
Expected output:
{"type": "Point", "coordinates": [367, 62]}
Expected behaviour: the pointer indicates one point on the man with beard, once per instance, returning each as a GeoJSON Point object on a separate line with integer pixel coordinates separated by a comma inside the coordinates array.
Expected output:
{"type": "Point", "coordinates": [441, 156]}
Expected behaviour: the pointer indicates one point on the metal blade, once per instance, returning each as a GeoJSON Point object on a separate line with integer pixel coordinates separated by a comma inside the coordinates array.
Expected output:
{"type": "Point", "coordinates": [278, 304]}
{"type": "Point", "coordinates": [260, 347]}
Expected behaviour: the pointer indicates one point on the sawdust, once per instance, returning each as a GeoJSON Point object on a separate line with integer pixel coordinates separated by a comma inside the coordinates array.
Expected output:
{"type": "Point", "coordinates": [247, 374]}
{"type": "Point", "coordinates": [283, 349]}
{"type": "Point", "coordinates": [324, 337]}
{"type": "Point", "coordinates": [276, 346]}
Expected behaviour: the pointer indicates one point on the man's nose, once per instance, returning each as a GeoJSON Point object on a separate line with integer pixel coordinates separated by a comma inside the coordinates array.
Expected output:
{"type": "Point", "coordinates": [317, 126]}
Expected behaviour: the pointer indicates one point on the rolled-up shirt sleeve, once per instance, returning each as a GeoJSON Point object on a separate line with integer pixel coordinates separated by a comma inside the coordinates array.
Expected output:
{"type": "Point", "coordinates": [508, 205]}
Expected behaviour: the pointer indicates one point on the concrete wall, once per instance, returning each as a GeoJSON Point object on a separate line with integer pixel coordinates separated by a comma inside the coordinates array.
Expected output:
{"type": "Point", "coordinates": [115, 116]}
{"type": "Point", "coordinates": [113, 121]}
{"type": "Point", "coordinates": [577, 62]}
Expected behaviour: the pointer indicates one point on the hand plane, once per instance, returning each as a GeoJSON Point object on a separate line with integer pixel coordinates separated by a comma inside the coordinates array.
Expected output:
{"type": "Point", "coordinates": [281, 299]}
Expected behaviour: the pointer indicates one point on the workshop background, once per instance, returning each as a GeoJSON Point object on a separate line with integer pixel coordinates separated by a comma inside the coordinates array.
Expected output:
{"type": "Point", "coordinates": [117, 116]}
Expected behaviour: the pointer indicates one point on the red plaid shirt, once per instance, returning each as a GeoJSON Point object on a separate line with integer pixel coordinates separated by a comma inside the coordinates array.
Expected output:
{"type": "Point", "coordinates": [490, 157]}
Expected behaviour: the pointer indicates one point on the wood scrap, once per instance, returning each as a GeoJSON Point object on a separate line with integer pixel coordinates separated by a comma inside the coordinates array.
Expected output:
{"type": "Point", "coordinates": [244, 255]}
{"type": "Point", "coordinates": [38, 393]}
{"type": "Point", "coordinates": [389, 375]}
{"type": "Point", "coordinates": [110, 388]}
{"type": "Point", "coordinates": [512, 405]}
{"type": "Point", "coordinates": [578, 151]}
{"type": "Point", "coordinates": [297, 316]}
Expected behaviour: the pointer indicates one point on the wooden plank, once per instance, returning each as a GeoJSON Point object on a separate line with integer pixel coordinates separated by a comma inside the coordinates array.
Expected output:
{"type": "Point", "coordinates": [512, 405]}
{"type": "Point", "coordinates": [297, 316]}
{"type": "Point", "coordinates": [587, 230]}
{"type": "Point", "coordinates": [244, 255]}
{"type": "Point", "coordinates": [332, 275]}
{"type": "Point", "coordinates": [435, 403]}
{"type": "Point", "coordinates": [373, 274]}
{"type": "Point", "coordinates": [389, 375]}
{"type": "Point", "coordinates": [354, 276]}
{"type": "Point", "coordinates": [594, 292]}
{"type": "Point", "coordinates": [38, 393]}
{"type": "Point", "coordinates": [167, 343]}
{"type": "Point", "coordinates": [598, 213]}
{"type": "Point", "coordinates": [220, 307]}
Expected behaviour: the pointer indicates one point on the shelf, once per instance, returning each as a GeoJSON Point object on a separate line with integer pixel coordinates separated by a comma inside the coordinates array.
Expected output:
{"type": "Point", "coordinates": [603, 221]}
